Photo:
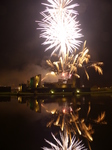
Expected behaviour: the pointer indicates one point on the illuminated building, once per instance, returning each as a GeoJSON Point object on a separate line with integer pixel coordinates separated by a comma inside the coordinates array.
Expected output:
{"type": "Point", "coordinates": [35, 81]}
{"type": "Point", "coordinates": [22, 88]}
{"type": "Point", "coordinates": [73, 82]}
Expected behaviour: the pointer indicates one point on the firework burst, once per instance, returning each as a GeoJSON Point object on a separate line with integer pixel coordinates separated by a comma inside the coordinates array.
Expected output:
{"type": "Point", "coordinates": [60, 27]}
{"type": "Point", "coordinates": [73, 62]}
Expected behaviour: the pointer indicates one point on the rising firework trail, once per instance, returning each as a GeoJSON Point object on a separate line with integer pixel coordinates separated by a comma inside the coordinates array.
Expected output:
{"type": "Point", "coordinates": [59, 27]}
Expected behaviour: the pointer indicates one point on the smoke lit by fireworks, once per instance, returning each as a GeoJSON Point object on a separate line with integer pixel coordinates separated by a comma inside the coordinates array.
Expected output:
{"type": "Point", "coordinates": [60, 27]}
{"type": "Point", "coordinates": [65, 143]}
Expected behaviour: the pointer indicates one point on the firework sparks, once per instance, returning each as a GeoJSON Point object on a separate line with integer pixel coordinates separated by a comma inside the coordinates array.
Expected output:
{"type": "Point", "coordinates": [65, 143]}
{"type": "Point", "coordinates": [100, 119]}
{"type": "Point", "coordinates": [60, 27]}
{"type": "Point", "coordinates": [61, 31]}
{"type": "Point", "coordinates": [70, 120]}
{"type": "Point", "coordinates": [73, 62]}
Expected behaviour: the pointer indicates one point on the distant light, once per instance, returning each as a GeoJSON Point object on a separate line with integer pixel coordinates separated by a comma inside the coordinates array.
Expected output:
{"type": "Point", "coordinates": [53, 111]}
{"type": "Point", "coordinates": [36, 102]}
{"type": "Point", "coordinates": [77, 91]}
{"type": "Point", "coordinates": [19, 88]}
{"type": "Point", "coordinates": [52, 91]}
{"type": "Point", "coordinates": [20, 99]}
{"type": "Point", "coordinates": [43, 101]}
{"type": "Point", "coordinates": [64, 99]}
{"type": "Point", "coordinates": [36, 84]}
{"type": "Point", "coordinates": [64, 110]}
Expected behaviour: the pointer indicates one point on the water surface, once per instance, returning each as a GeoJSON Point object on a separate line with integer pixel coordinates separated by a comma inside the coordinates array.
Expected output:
{"type": "Point", "coordinates": [23, 120]}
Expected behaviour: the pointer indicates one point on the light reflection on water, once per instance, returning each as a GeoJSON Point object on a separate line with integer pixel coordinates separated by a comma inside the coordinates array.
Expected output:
{"type": "Point", "coordinates": [28, 117]}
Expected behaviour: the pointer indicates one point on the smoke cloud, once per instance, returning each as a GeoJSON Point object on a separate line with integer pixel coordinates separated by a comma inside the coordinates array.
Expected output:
{"type": "Point", "coordinates": [15, 77]}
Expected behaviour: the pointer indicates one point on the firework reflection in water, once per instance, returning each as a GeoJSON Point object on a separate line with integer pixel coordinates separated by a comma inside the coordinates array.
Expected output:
{"type": "Point", "coordinates": [65, 143]}
{"type": "Point", "coordinates": [69, 119]}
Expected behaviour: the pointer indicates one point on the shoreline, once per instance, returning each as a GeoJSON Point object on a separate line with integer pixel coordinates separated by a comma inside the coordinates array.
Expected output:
{"type": "Point", "coordinates": [56, 93]}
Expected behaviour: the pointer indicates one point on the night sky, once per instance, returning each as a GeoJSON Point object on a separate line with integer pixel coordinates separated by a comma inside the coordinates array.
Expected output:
{"type": "Point", "coordinates": [22, 55]}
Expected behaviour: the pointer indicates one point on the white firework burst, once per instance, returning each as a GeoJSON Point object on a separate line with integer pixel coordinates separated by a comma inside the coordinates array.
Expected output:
{"type": "Point", "coordinates": [65, 144]}
{"type": "Point", "coordinates": [60, 27]}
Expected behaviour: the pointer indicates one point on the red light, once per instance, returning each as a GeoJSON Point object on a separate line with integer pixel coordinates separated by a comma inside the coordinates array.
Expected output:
{"type": "Point", "coordinates": [64, 110]}
{"type": "Point", "coordinates": [63, 74]}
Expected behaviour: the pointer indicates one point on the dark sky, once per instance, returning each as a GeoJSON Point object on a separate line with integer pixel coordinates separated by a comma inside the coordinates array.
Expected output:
{"type": "Point", "coordinates": [21, 53]}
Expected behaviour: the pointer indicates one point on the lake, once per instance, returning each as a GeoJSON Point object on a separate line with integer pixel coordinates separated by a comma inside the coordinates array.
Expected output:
{"type": "Point", "coordinates": [24, 120]}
